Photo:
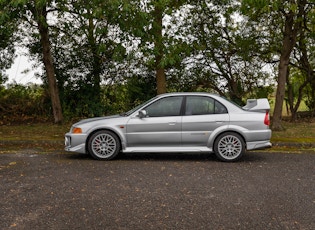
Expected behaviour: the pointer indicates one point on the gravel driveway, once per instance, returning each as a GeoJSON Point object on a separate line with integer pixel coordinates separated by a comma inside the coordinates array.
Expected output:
{"type": "Point", "coordinates": [157, 191]}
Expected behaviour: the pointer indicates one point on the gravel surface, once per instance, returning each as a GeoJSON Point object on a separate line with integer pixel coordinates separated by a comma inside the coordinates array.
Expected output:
{"type": "Point", "coordinates": [157, 191]}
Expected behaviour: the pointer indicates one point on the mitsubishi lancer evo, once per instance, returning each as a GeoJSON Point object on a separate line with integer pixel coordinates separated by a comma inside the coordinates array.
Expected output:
{"type": "Point", "coordinates": [176, 122]}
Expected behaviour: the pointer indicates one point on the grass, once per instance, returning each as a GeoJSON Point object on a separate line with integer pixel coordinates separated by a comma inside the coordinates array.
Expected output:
{"type": "Point", "coordinates": [33, 132]}
{"type": "Point", "coordinates": [298, 137]}
{"type": "Point", "coordinates": [285, 112]}
{"type": "Point", "coordinates": [45, 137]}
{"type": "Point", "coordinates": [30, 137]}
{"type": "Point", "coordinates": [299, 132]}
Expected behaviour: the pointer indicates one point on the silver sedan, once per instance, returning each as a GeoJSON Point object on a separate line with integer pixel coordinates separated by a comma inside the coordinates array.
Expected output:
{"type": "Point", "coordinates": [176, 122]}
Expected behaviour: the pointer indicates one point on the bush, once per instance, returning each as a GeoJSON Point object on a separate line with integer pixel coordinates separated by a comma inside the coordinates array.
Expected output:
{"type": "Point", "coordinates": [21, 103]}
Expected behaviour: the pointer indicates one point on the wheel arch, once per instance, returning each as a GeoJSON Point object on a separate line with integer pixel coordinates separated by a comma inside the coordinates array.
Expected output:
{"type": "Point", "coordinates": [214, 136]}
{"type": "Point", "coordinates": [103, 129]}
{"type": "Point", "coordinates": [229, 131]}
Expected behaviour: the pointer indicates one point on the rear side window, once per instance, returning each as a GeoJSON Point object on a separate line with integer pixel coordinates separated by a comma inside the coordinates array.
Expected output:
{"type": "Point", "coordinates": [199, 105]}
{"type": "Point", "coordinates": [219, 108]}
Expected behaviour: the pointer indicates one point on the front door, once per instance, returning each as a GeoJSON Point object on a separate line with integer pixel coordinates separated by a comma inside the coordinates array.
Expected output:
{"type": "Point", "coordinates": [161, 127]}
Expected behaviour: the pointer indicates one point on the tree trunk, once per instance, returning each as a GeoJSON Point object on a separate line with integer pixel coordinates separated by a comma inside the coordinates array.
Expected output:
{"type": "Point", "coordinates": [159, 52]}
{"type": "Point", "coordinates": [312, 103]}
{"type": "Point", "coordinates": [307, 68]}
{"type": "Point", "coordinates": [95, 75]}
{"type": "Point", "coordinates": [160, 80]}
{"type": "Point", "coordinates": [291, 29]}
{"type": "Point", "coordinates": [48, 63]}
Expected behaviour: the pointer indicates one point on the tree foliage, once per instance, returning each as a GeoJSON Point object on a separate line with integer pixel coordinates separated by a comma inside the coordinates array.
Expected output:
{"type": "Point", "coordinates": [224, 55]}
{"type": "Point", "coordinates": [287, 20]}
{"type": "Point", "coordinates": [8, 26]}
{"type": "Point", "coordinates": [87, 47]}
{"type": "Point", "coordinates": [107, 56]}
{"type": "Point", "coordinates": [35, 14]}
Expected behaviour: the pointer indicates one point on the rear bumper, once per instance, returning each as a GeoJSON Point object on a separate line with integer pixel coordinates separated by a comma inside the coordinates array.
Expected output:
{"type": "Point", "coordinates": [258, 139]}
{"type": "Point", "coordinates": [258, 145]}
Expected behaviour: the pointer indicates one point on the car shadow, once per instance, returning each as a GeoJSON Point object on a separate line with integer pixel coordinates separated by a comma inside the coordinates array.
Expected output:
{"type": "Point", "coordinates": [248, 157]}
{"type": "Point", "coordinates": [150, 156]}
{"type": "Point", "coordinates": [168, 156]}
{"type": "Point", "coordinates": [78, 156]}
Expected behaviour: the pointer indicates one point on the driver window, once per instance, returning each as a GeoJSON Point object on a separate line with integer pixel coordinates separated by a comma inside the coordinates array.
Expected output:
{"type": "Point", "coordinates": [169, 106]}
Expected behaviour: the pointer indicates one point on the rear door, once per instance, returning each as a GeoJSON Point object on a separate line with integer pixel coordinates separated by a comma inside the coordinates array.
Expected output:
{"type": "Point", "coordinates": [201, 117]}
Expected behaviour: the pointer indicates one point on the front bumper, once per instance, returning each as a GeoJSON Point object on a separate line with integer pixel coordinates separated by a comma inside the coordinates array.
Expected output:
{"type": "Point", "coordinates": [75, 143]}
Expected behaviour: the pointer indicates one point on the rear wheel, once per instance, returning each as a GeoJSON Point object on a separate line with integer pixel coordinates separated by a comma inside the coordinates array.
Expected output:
{"type": "Point", "coordinates": [104, 145]}
{"type": "Point", "coordinates": [229, 147]}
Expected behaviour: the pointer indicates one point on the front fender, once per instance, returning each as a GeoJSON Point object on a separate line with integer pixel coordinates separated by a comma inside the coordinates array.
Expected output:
{"type": "Point", "coordinates": [119, 130]}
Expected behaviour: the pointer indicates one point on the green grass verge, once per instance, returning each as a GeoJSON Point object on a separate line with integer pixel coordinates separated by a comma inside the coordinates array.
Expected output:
{"type": "Point", "coordinates": [297, 137]}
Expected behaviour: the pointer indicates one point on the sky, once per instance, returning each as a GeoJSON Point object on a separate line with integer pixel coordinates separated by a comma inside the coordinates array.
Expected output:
{"type": "Point", "coordinates": [21, 72]}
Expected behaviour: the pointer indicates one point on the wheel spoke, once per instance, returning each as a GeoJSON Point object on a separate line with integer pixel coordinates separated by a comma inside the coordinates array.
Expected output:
{"type": "Point", "coordinates": [230, 147]}
{"type": "Point", "coordinates": [104, 145]}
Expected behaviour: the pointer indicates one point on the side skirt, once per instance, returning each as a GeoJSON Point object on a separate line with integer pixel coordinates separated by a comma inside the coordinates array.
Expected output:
{"type": "Point", "coordinates": [166, 149]}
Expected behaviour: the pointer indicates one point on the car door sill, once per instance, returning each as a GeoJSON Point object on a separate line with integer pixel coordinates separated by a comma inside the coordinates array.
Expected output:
{"type": "Point", "coordinates": [166, 149]}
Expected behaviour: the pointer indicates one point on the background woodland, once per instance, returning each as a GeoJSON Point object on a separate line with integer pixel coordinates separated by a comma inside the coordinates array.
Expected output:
{"type": "Point", "coordinates": [104, 57]}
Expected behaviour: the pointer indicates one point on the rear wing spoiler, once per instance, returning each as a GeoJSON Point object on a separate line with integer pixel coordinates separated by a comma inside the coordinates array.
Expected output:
{"type": "Point", "coordinates": [259, 105]}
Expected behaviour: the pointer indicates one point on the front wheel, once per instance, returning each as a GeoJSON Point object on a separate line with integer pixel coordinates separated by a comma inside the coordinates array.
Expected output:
{"type": "Point", "coordinates": [229, 147]}
{"type": "Point", "coordinates": [104, 145]}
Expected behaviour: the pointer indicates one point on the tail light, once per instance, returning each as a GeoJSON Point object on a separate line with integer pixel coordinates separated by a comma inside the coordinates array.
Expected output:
{"type": "Point", "coordinates": [267, 120]}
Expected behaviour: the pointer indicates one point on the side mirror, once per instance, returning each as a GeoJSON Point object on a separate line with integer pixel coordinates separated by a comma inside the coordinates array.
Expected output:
{"type": "Point", "coordinates": [142, 113]}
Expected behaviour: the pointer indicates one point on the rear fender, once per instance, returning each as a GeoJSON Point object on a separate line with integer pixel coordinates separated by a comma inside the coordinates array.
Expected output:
{"type": "Point", "coordinates": [226, 128]}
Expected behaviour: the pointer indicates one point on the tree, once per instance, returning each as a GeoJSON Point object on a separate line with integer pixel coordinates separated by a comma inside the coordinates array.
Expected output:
{"type": "Point", "coordinates": [39, 11]}
{"type": "Point", "coordinates": [286, 18]}
{"type": "Point", "coordinates": [304, 63]}
{"type": "Point", "coordinates": [302, 74]}
{"type": "Point", "coordinates": [87, 43]}
{"type": "Point", "coordinates": [8, 27]}
{"type": "Point", "coordinates": [148, 23]}
{"type": "Point", "coordinates": [292, 27]}
{"type": "Point", "coordinates": [34, 13]}
{"type": "Point", "coordinates": [157, 27]}
{"type": "Point", "coordinates": [224, 53]}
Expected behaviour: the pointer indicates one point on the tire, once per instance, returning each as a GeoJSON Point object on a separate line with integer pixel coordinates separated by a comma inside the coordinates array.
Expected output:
{"type": "Point", "coordinates": [104, 145]}
{"type": "Point", "coordinates": [229, 147]}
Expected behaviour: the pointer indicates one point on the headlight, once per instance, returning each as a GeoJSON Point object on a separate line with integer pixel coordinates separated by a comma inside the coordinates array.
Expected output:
{"type": "Point", "coordinates": [76, 130]}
